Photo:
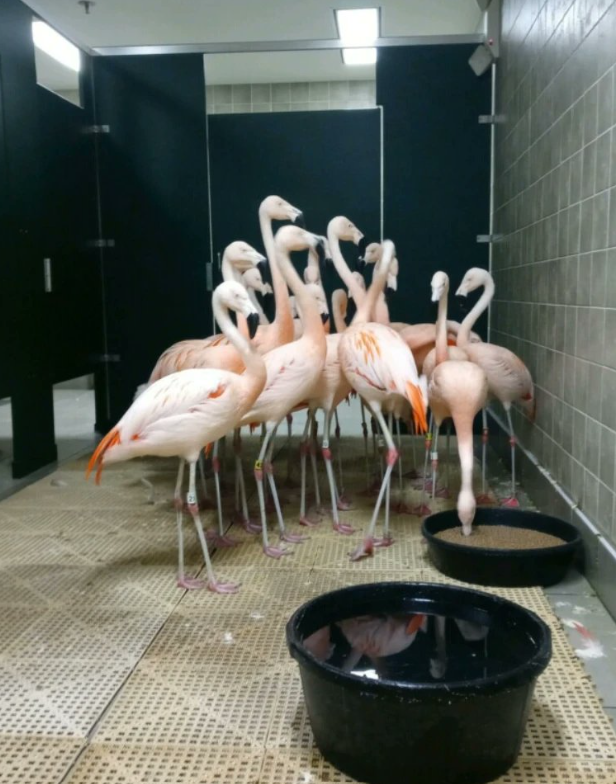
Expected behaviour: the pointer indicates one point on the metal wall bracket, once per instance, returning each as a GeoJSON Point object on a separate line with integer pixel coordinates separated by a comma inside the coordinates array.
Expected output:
{"type": "Point", "coordinates": [104, 358]}
{"type": "Point", "coordinates": [97, 129]}
{"type": "Point", "coordinates": [101, 244]}
{"type": "Point", "coordinates": [490, 237]}
{"type": "Point", "coordinates": [491, 119]}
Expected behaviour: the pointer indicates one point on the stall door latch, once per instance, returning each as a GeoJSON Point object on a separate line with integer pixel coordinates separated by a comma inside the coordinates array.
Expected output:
{"type": "Point", "coordinates": [97, 129]}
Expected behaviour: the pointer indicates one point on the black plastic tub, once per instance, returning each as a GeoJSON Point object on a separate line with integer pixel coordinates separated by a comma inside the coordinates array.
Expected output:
{"type": "Point", "coordinates": [457, 721]}
{"type": "Point", "coordinates": [508, 568]}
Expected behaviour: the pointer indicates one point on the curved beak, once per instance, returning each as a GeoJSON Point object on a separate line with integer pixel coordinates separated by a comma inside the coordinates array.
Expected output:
{"type": "Point", "coordinates": [461, 292]}
{"type": "Point", "coordinates": [324, 317]}
{"type": "Point", "coordinates": [360, 263]}
{"type": "Point", "coordinates": [299, 220]}
{"type": "Point", "coordinates": [262, 264]}
{"type": "Point", "coordinates": [253, 323]}
{"type": "Point", "coordinates": [362, 244]}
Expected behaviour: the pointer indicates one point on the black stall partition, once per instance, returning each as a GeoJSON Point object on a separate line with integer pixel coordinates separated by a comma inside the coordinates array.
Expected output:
{"type": "Point", "coordinates": [155, 222]}
{"type": "Point", "coordinates": [25, 372]}
{"type": "Point", "coordinates": [437, 169]}
{"type": "Point", "coordinates": [326, 163]}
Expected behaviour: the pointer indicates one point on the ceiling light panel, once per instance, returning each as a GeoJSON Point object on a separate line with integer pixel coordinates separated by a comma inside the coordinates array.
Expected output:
{"type": "Point", "coordinates": [358, 26]}
{"type": "Point", "coordinates": [365, 56]}
{"type": "Point", "coordinates": [55, 45]}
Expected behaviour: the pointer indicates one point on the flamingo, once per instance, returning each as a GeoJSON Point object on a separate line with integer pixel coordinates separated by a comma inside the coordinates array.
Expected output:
{"type": "Point", "coordinates": [379, 366]}
{"type": "Point", "coordinates": [291, 372]}
{"type": "Point", "coordinates": [458, 390]}
{"type": "Point", "coordinates": [181, 412]}
{"type": "Point", "coordinates": [509, 380]}
{"type": "Point", "coordinates": [253, 282]}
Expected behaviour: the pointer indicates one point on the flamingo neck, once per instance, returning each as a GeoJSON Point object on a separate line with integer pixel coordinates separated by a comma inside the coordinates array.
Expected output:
{"type": "Point", "coordinates": [441, 329]}
{"type": "Point", "coordinates": [339, 307]}
{"type": "Point", "coordinates": [283, 318]}
{"type": "Point", "coordinates": [366, 305]}
{"type": "Point", "coordinates": [305, 302]}
{"type": "Point", "coordinates": [255, 366]}
{"type": "Point", "coordinates": [228, 270]}
{"type": "Point", "coordinates": [342, 268]}
{"type": "Point", "coordinates": [480, 306]}
{"type": "Point", "coordinates": [381, 311]}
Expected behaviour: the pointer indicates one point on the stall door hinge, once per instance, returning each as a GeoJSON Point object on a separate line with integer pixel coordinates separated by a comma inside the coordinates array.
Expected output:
{"type": "Point", "coordinates": [97, 129]}
{"type": "Point", "coordinates": [491, 119]}
{"type": "Point", "coordinates": [101, 244]}
{"type": "Point", "coordinates": [104, 358]}
{"type": "Point", "coordinates": [490, 237]}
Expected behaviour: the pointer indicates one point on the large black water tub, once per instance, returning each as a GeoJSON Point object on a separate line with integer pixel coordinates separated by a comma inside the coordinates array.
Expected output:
{"type": "Point", "coordinates": [415, 683]}
{"type": "Point", "coordinates": [513, 568]}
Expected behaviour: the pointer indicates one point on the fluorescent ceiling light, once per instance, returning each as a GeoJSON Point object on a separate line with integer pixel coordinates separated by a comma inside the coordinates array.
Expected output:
{"type": "Point", "coordinates": [55, 45]}
{"type": "Point", "coordinates": [359, 56]}
{"type": "Point", "coordinates": [358, 26]}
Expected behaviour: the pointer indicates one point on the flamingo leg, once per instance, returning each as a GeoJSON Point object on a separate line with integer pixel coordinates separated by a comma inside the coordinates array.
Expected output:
{"type": "Point", "coordinates": [484, 497]}
{"type": "Point", "coordinates": [511, 502]}
{"type": "Point", "coordinates": [401, 507]}
{"type": "Point", "coordinates": [423, 509]}
{"type": "Point", "coordinates": [343, 501]}
{"type": "Point", "coordinates": [434, 462]}
{"type": "Point", "coordinates": [206, 495]}
{"type": "Point", "coordinates": [364, 429]}
{"type": "Point", "coordinates": [269, 470]}
{"type": "Point", "coordinates": [212, 583]}
{"type": "Point", "coordinates": [241, 514]}
{"type": "Point", "coordinates": [218, 539]}
{"type": "Point", "coordinates": [183, 581]}
{"type": "Point", "coordinates": [366, 548]}
{"type": "Point", "coordinates": [342, 528]}
{"type": "Point", "coordinates": [289, 479]}
{"type": "Point", "coordinates": [313, 462]}
{"type": "Point", "coordinates": [303, 451]}
{"type": "Point", "coordinates": [273, 552]}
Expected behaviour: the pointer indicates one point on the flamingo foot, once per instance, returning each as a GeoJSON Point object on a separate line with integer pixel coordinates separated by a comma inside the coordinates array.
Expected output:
{"type": "Point", "coordinates": [215, 587]}
{"type": "Point", "coordinates": [510, 503]}
{"type": "Point", "coordinates": [386, 541]}
{"type": "Point", "coordinates": [421, 510]}
{"type": "Point", "coordinates": [248, 524]}
{"type": "Point", "coordinates": [344, 503]}
{"type": "Point", "coordinates": [276, 552]}
{"type": "Point", "coordinates": [484, 499]}
{"type": "Point", "coordinates": [216, 540]}
{"type": "Point", "coordinates": [401, 507]}
{"type": "Point", "coordinates": [293, 538]}
{"type": "Point", "coordinates": [344, 528]}
{"type": "Point", "coordinates": [190, 583]}
{"type": "Point", "coordinates": [308, 521]}
{"type": "Point", "coordinates": [364, 550]}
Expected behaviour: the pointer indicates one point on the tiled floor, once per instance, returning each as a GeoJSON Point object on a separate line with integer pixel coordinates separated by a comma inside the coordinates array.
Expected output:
{"type": "Point", "coordinates": [110, 674]}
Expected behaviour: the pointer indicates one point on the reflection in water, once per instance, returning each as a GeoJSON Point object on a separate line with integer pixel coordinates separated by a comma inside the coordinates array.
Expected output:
{"type": "Point", "coordinates": [417, 647]}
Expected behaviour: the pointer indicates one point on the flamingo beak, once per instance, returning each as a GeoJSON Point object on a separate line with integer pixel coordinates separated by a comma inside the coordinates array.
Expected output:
{"type": "Point", "coordinates": [299, 220]}
{"type": "Point", "coordinates": [262, 265]}
{"type": "Point", "coordinates": [324, 317]}
{"type": "Point", "coordinates": [253, 323]}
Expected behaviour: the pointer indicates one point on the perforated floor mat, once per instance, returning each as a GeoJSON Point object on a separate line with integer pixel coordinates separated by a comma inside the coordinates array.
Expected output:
{"type": "Point", "coordinates": [109, 674]}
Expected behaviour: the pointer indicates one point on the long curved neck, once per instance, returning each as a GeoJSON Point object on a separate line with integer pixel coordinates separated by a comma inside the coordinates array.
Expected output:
{"type": "Point", "coordinates": [283, 318]}
{"type": "Point", "coordinates": [306, 304]}
{"type": "Point", "coordinates": [381, 310]}
{"type": "Point", "coordinates": [255, 366]}
{"type": "Point", "coordinates": [365, 306]}
{"type": "Point", "coordinates": [253, 298]}
{"type": "Point", "coordinates": [480, 306]}
{"type": "Point", "coordinates": [441, 329]}
{"type": "Point", "coordinates": [342, 268]}
{"type": "Point", "coordinates": [339, 305]}
{"type": "Point", "coordinates": [228, 270]}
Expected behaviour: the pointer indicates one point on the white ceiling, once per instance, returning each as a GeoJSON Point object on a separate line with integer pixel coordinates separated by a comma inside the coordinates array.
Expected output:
{"type": "Point", "coordinates": [143, 22]}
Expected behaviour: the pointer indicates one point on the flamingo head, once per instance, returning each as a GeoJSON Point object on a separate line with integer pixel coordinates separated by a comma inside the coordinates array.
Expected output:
{"type": "Point", "coordinates": [466, 510]}
{"type": "Point", "coordinates": [473, 279]}
{"type": "Point", "coordinates": [440, 285]}
{"type": "Point", "coordinates": [276, 208]}
{"type": "Point", "coordinates": [252, 280]}
{"type": "Point", "coordinates": [318, 294]}
{"type": "Point", "coordinates": [392, 275]}
{"type": "Point", "coordinates": [243, 256]}
{"type": "Point", "coordinates": [233, 296]}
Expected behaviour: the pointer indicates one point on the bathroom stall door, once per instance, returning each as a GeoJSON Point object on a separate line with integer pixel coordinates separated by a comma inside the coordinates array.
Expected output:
{"type": "Point", "coordinates": [326, 163]}
{"type": "Point", "coordinates": [155, 219]}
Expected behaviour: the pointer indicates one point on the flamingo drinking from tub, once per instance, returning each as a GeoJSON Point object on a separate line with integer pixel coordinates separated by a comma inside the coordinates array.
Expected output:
{"type": "Point", "coordinates": [181, 412]}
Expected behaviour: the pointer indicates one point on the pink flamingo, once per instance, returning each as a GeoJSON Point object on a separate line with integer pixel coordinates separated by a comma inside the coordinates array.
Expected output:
{"type": "Point", "coordinates": [253, 282]}
{"type": "Point", "coordinates": [458, 390]}
{"type": "Point", "coordinates": [180, 413]}
{"type": "Point", "coordinates": [291, 372]}
{"type": "Point", "coordinates": [379, 366]}
{"type": "Point", "coordinates": [509, 379]}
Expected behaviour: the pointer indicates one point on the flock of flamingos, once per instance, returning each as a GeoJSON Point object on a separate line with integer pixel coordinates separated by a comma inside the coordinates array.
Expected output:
{"type": "Point", "coordinates": [259, 373]}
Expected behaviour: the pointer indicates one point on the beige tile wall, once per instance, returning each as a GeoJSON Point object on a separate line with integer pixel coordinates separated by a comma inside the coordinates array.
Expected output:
{"type": "Point", "coordinates": [556, 207]}
{"type": "Point", "coordinates": [290, 97]}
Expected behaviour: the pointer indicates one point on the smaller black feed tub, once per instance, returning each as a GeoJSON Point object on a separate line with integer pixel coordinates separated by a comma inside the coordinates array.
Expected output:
{"type": "Point", "coordinates": [508, 568]}
{"type": "Point", "coordinates": [448, 706]}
